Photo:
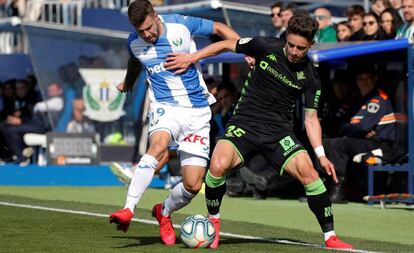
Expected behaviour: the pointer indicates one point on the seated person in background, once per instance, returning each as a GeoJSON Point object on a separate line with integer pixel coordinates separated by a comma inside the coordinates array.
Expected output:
{"type": "Point", "coordinates": [39, 123]}
{"type": "Point", "coordinates": [371, 128]}
{"type": "Point", "coordinates": [16, 112]}
{"type": "Point", "coordinates": [340, 105]}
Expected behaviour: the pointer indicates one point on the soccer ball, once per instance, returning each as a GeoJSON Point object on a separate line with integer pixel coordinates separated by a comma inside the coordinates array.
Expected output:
{"type": "Point", "coordinates": [197, 231]}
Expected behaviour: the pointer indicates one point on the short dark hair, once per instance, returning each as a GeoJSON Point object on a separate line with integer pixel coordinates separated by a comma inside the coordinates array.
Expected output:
{"type": "Point", "coordinates": [138, 11]}
{"type": "Point", "coordinates": [277, 4]}
{"type": "Point", "coordinates": [355, 9]}
{"type": "Point", "coordinates": [303, 25]}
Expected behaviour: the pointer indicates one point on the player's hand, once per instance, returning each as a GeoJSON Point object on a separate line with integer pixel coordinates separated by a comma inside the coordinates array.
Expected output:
{"type": "Point", "coordinates": [251, 61]}
{"type": "Point", "coordinates": [178, 62]}
{"type": "Point", "coordinates": [122, 87]}
{"type": "Point", "coordinates": [329, 167]}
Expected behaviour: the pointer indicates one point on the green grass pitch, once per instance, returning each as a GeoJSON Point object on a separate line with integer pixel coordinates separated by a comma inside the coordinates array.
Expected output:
{"type": "Point", "coordinates": [368, 228]}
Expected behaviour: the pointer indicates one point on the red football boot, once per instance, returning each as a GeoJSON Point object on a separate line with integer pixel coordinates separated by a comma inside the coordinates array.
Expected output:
{"type": "Point", "coordinates": [335, 243]}
{"type": "Point", "coordinates": [167, 232]}
{"type": "Point", "coordinates": [216, 224]}
{"type": "Point", "coordinates": [122, 219]}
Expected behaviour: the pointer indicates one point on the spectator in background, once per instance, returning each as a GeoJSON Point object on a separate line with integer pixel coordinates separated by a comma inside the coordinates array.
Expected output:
{"type": "Point", "coordinates": [340, 105]}
{"type": "Point", "coordinates": [378, 6]}
{"type": "Point", "coordinates": [390, 22]}
{"type": "Point", "coordinates": [397, 5]}
{"type": "Point", "coordinates": [19, 113]}
{"type": "Point", "coordinates": [326, 32]}
{"type": "Point", "coordinates": [407, 29]}
{"type": "Point", "coordinates": [355, 14]}
{"type": "Point", "coordinates": [372, 29]}
{"type": "Point", "coordinates": [276, 20]}
{"type": "Point", "coordinates": [9, 96]}
{"type": "Point", "coordinates": [286, 12]}
{"type": "Point", "coordinates": [343, 31]}
{"type": "Point", "coordinates": [72, 80]}
{"type": "Point", "coordinates": [371, 128]}
{"type": "Point", "coordinates": [40, 122]}
{"type": "Point", "coordinates": [33, 89]}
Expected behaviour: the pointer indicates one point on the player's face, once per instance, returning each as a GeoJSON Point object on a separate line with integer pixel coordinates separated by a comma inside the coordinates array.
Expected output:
{"type": "Point", "coordinates": [296, 47]}
{"type": "Point", "coordinates": [149, 30]}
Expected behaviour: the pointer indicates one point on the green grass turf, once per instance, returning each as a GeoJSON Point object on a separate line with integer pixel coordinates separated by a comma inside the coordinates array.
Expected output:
{"type": "Point", "coordinates": [23, 230]}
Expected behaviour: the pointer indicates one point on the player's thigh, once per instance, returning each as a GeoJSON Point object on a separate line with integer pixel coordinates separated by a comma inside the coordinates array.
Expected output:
{"type": "Point", "coordinates": [193, 177]}
{"type": "Point", "coordinates": [159, 141]}
{"type": "Point", "coordinates": [300, 166]}
{"type": "Point", "coordinates": [224, 158]}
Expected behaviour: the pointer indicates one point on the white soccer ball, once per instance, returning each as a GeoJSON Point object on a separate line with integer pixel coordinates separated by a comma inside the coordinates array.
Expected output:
{"type": "Point", "coordinates": [197, 231]}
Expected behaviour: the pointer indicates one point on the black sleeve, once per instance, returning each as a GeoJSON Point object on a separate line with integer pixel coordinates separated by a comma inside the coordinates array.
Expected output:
{"type": "Point", "coordinates": [133, 71]}
{"type": "Point", "coordinates": [313, 90]}
{"type": "Point", "coordinates": [253, 46]}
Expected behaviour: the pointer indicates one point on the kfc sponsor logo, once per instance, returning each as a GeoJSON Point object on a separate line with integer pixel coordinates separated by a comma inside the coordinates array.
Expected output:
{"type": "Point", "coordinates": [193, 138]}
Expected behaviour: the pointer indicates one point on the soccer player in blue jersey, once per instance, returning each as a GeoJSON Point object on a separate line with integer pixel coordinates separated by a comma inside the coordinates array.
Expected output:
{"type": "Point", "coordinates": [179, 111]}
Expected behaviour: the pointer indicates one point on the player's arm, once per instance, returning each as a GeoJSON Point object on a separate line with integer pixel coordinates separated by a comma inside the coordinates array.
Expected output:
{"type": "Point", "coordinates": [314, 133]}
{"type": "Point", "coordinates": [133, 69]}
{"type": "Point", "coordinates": [180, 62]}
{"type": "Point", "coordinates": [228, 33]}
{"type": "Point", "coordinates": [224, 31]}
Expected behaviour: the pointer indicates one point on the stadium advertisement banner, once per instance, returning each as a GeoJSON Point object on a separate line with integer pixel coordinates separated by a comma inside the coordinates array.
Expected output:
{"type": "Point", "coordinates": [66, 149]}
{"type": "Point", "coordinates": [103, 102]}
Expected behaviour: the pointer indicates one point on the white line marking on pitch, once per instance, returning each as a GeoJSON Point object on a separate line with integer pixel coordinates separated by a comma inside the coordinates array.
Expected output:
{"type": "Point", "coordinates": [246, 237]}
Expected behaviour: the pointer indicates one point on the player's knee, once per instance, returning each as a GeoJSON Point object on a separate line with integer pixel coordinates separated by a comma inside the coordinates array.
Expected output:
{"type": "Point", "coordinates": [193, 187]}
{"type": "Point", "coordinates": [218, 167]}
{"type": "Point", "coordinates": [157, 150]}
{"type": "Point", "coordinates": [308, 174]}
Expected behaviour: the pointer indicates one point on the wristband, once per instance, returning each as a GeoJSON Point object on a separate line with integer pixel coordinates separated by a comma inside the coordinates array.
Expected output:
{"type": "Point", "coordinates": [319, 151]}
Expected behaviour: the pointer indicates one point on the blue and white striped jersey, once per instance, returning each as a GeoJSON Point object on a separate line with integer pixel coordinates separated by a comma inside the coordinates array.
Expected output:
{"type": "Point", "coordinates": [187, 89]}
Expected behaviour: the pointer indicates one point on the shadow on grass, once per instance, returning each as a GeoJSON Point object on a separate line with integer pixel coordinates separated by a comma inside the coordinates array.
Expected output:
{"type": "Point", "coordinates": [152, 240]}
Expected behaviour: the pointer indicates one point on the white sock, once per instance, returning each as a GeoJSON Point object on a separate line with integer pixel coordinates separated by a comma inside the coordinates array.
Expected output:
{"type": "Point", "coordinates": [327, 235]}
{"type": "Point", "coordinates": [178, 198]}
{"type": "Point", "coordinates": [142, 177]}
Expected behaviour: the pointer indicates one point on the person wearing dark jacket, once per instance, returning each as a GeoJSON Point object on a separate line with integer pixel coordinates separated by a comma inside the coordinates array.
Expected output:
{"type": "Point", "coordinates": [371, 128]}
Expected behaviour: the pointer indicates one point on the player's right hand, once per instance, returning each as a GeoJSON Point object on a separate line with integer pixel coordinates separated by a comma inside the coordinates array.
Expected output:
{"type": "Point", "coordinates": [122, 87]}
{"type": "Point", "coordinates": [329, 168]}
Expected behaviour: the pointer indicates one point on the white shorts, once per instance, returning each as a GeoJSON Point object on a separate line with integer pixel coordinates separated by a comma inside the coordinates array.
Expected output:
{"type": "Point", "coordinates": [189, 127]}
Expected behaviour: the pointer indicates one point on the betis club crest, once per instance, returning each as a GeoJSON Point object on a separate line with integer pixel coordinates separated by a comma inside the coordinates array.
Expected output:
{"type": "Point", "coordinates": [103, 102]}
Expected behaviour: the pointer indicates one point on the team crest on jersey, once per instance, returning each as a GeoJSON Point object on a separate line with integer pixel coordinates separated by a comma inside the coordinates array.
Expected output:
{"type": "Point", "coordinates": [178, 42]}
{"type": "Point", "coordinates": [300, 75]}
{"type": "Point", "coordinates": [103, 102]}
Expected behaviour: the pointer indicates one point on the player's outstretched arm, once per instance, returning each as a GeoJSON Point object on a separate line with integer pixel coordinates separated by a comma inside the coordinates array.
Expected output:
{"type": "Point", "coordinates": [225, 32]}
{"type": "Point", "coordinates": [180, 62]}
{"type": "Point", "coordinates": [133, 70]}
{"type": "Point", "coordinates": [314, 133]}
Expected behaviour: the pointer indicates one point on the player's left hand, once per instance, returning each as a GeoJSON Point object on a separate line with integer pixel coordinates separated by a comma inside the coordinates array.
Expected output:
{"type": "Point", "coordinates": [177, 61]}
{"type": "Point", "coordinates": [329, 167]}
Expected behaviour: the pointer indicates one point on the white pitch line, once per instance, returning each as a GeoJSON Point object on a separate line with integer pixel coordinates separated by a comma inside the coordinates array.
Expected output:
{"type": "Point", "coordinates": [246, 237]}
